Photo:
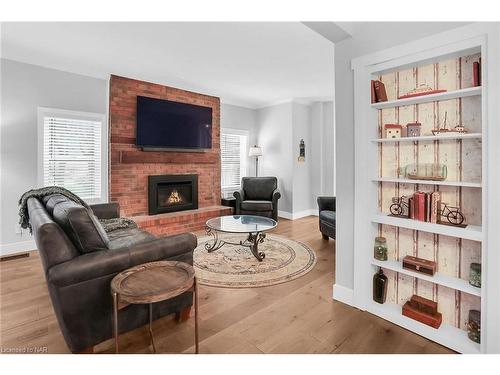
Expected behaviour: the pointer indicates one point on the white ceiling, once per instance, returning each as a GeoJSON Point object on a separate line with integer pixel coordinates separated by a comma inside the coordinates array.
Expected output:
{"type": "Point", "coordinates": [244, 63]}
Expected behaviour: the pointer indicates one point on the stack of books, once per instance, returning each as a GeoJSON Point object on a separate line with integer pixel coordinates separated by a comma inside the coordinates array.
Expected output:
{"type": "Point", "coordinates": [424, 206]}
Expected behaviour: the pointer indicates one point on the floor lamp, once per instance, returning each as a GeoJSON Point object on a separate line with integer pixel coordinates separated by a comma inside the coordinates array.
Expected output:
{"type": "Point", "coordinates": [255, 151]}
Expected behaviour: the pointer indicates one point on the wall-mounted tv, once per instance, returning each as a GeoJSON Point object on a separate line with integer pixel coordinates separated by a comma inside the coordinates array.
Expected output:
{"type": "Point", "coordinates": [164, 125]}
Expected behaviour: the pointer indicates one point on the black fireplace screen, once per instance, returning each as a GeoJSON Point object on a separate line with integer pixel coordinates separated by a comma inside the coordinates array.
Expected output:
{"type": "Point", "coordinates": [170, 193]}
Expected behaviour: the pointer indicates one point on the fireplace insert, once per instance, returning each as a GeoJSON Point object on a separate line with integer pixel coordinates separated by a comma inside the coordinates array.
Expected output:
{"type": "Point", "coordinates": [170, 193]}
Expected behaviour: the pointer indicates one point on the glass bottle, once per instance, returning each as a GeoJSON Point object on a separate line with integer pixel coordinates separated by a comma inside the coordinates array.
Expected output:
{"type": "Point", "coordinates": [380, 248]}
{"type": "Point", "coordinates": [379, 286]}
{"type": "Point", "coordinates": [475, 275]}
{"type": "Point", "coordinates": [474, 326]}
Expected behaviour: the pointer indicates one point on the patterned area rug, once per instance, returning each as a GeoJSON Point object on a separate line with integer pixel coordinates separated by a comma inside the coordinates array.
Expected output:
{"type": "Point", "coordinates": [234, 266]}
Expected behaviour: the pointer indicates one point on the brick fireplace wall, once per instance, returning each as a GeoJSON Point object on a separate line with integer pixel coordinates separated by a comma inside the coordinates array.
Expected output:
{"type": "Point", "coordinates": [130, 167]}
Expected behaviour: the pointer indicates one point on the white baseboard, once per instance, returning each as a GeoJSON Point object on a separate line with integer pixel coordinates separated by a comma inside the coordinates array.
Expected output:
{"type": "Point", "coordinates": [298, 214]}
{"type": "Point", "coordinates": [17, 247]}
{"type": "Point", "coordinates": [343, 294]}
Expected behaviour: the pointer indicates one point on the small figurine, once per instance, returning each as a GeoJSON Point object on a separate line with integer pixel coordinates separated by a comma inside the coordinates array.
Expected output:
{"type": "Point", "coordinates": [413, 129]}
{"type": "Point", "coordinates": [459, 129]}
{"type": "Point", "coordinates": [452, 214]}
{"type": "Point", "coordinates": [393, 130]}
{"type": "Point", "coordinates": [423, 89]}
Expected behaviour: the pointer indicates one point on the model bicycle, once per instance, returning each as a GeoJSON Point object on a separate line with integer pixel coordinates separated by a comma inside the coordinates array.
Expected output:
{"type": "Point", "coordinates": [452, 214]}
{"type": "Point", "coordinates": [400, 205]}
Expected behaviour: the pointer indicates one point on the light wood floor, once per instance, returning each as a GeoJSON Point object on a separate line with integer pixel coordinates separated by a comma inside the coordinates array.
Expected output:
{"type": "Point", "coordinates": [296, 317]}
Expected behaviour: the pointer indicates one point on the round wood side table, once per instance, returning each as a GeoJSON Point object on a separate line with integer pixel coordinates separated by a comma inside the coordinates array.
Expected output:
{"type": "Point", "coordinates": [149, 283]}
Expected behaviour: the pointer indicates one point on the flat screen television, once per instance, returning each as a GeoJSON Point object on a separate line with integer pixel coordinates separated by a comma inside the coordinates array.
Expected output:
{"type": "Point", "coordinates": [163, 125]}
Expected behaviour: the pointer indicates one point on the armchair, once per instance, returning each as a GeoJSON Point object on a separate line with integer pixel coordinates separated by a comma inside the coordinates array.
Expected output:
{"type": "Point", "coordinates": [79, 282]}
{"type": "Point", "coordinates": [258, 196]}
{"type": "Point", "coordinates": [327, 217]}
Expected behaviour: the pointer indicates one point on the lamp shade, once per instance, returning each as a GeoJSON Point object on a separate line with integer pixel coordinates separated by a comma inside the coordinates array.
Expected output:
{"type": "Point", "coordinates": [255, 151]}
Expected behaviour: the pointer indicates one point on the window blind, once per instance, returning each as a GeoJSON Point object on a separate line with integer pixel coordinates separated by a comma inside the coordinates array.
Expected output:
{"type": "Point", "coordinates": [72, 155]}
{"type": "Point", "coordinates": [232, 148]}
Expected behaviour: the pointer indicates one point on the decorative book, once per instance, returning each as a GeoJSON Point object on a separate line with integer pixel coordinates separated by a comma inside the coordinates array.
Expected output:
{"type": "Point", "coordinates": [380, 94]}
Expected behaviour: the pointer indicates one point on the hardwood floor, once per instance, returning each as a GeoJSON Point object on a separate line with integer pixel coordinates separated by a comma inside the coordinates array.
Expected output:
{"type": "Point", "coordinates": [296, 317]}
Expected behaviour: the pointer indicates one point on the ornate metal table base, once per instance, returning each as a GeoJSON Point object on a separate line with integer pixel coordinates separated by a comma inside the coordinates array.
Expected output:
{"type": "Point", "coordinates": [252, 242]}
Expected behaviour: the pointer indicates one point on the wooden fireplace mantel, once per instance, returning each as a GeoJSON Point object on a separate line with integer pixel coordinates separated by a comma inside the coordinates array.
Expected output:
{"type": "Point", "coordinates": [165, 157]}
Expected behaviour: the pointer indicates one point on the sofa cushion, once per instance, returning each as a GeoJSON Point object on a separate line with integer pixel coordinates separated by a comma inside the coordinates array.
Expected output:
{"type": "Point", "coordinates": [50, 201]}
{"type": "Point", "coordinates": [81, 226]}
{"type": "Point", "coordinates": [328, 216]}
{"type": "Point", "coordinates": [128, 237]}
{"type": "Point", "coordinates": [256, 205]}
{"type": "Point", "coordinates": [259, 188]}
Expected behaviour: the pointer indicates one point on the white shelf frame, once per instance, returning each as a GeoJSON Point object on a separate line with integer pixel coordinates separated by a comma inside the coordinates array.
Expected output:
{"type": "Point", "coordinates": [470, 232]}
{"type": "Point", "coordinates": [448, 95]}
{"type": "Point", "coordinates": [428, 182]}
{"type": "Point", "coordinates": [474, 38]}
{"type": "Point", "coordinates": [439, 279]}
{"type": "Point", "coordinates": [430, 138]}
{"type": "Point", "coordinates": [453, 338]}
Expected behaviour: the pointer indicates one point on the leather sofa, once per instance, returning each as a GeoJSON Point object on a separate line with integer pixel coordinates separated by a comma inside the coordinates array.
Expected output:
{"type": "Point", "coordinates": [327, 217]}
{"type": "Point", "coordinates": [80, 259]}
{"type": "Point", "coordinates": [258, 196]}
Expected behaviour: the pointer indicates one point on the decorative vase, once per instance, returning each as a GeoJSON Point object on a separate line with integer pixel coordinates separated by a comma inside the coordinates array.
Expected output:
{"type": "Point", "coordinates": [379, 286]}
{"type": "Point", "coordinates": [380, 248]}
{"type": "Point", "coordinates": [475, 275]}
{"type": "Point", "coordinates": [474, 326]}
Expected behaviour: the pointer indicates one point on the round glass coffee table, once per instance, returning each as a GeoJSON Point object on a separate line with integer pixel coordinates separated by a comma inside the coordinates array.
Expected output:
{"type": "Point", "coordinates": [253, 226]}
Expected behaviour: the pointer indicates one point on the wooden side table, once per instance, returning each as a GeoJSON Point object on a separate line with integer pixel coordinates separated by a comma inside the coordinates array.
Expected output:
{"type": "Point", "coordinates": [149, 283]}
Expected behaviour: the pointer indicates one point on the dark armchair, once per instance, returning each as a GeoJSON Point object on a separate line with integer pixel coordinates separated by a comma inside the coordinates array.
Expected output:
{"type": "Point", "coordinates": [258, 196]}
{"type": "Point", "coordinates": [80, 260]}
{"type": "Point", "coordinates": [327, 219]}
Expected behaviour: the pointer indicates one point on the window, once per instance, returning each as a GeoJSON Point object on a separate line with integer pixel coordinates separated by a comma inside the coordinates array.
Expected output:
{"type": "Point", "coordinates": [73, 152]}
{"type": "Point", "coordinates": [233, 144]}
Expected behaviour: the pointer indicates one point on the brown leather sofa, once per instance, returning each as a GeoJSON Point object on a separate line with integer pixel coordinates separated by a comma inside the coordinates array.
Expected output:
{"type": "Point", "coordinates": [80, 259]}
{"type": "Point", "coordinates": [258, 196]}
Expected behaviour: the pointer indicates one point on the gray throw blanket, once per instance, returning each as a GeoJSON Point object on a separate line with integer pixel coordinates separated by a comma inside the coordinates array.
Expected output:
{"type": "Point", "coordinates": [108, 224]}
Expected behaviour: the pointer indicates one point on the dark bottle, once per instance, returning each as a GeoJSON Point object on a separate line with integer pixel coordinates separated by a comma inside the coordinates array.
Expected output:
{"type": "Point", "coordinates": [379, 286]}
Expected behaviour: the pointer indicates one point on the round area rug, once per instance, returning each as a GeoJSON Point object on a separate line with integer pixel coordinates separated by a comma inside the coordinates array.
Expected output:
{"type": "Point", "coordinates": [234, 266]}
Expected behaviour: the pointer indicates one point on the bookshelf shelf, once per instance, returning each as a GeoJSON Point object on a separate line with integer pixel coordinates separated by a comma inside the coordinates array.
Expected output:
{"type": "Point", "coordinates": [471, 232]}
{"type": "Point", "coordinates": [447, 335]}
{"type": "Point", "coordinates": [429, 182]}
{"type": "Point", "coordinates": [429, 138]}
{"type": "Point", "coordinates": [470, 91]}
{"type": "Point", "coordinates": [439, 279]}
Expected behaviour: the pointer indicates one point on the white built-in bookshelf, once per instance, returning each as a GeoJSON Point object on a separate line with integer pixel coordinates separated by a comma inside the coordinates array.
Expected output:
{"type": "Point", "coordinates": [445, 66]}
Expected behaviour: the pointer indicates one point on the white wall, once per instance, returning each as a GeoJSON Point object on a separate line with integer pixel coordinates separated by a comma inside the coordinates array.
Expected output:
{"type": "Point", "coordinates": [369, 37]}
{"type": "Point", "coordinates": [24, 88]}
{"type": "Point", "coordinates": [241, 118]}
{"type": "Point", "coordinates": [322, 150]}
{"type": "Point", "coordinates": [281, 127]}
{"type": "Point", "coordinates": [301, 129]}
{"type": "Point", "coordinates": [275, 138]}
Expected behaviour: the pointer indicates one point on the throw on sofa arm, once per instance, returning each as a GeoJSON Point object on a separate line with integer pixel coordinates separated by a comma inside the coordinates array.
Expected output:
{"type": "Point", "coordinates": [107, 262]}
{"type": "Point", "coordinates": [326, 203]}
{"type": "Point", "coordinates": [106, 210]}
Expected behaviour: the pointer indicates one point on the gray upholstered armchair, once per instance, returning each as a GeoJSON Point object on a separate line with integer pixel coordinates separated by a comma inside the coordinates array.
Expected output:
{"type": "Point", "coordinates": [327, 217]}
{"type": "Point", "coordinates": [258, 196]}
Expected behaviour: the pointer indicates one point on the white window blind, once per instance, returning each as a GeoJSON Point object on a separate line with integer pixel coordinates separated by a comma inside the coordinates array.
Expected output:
{"type": "Point", "coordinates": [233, 159]}
{"type": "Point", "coordinates": [72, 150]}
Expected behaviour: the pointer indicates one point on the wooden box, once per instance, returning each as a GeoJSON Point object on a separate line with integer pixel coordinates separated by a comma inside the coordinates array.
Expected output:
{"type": "Point", "coordinates": [423, 310]}
{"type": "Point", "coordinates": [427, 267]}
